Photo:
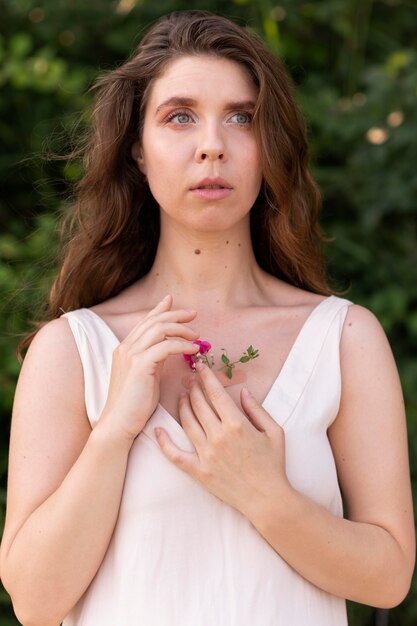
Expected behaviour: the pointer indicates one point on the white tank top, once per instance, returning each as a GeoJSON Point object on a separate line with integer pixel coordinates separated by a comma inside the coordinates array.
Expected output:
{"type": "Point", "coordinates": [179, 556]}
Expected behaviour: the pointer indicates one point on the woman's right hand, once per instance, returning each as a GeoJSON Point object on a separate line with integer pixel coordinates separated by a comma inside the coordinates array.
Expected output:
{"type": "Point", "coordinates": [137, 364]}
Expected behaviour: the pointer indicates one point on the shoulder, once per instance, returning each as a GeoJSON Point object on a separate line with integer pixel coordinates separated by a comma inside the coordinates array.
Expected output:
{"type": "Point", "coordinates": [49, 396]}
{"type": "Point", "coordinates": [360, 319]}
{"type": "Point", "coordinates": [54, 330]}
{"type": "Point", "coordinates": [53, 355]}
{"type": "Point", "coordinates": [367, 362]}
{"type": "Point", "coordinates": [362, 331]}
{"type": "Point", "coordinates": [53, 338]}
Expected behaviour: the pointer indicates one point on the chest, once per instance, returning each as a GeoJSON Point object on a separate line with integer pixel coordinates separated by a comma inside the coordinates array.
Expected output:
{"type": "Point", "coordinates": [273, 335]}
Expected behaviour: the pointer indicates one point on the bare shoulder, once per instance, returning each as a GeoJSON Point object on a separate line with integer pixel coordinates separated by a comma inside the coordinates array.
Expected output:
{"type": "Point", "coordinates": [363, 336]}
{"type": "Point", "coordinates": [53, 364]}
{"type": "Point", "coordinates": [370, 380]}
{"type": "Point", "coordinates": [53, 355]}
{"type": "Point", "coordinates": [50, 388]}
{"type": "Point", "coordinates": [361, 319]}
{"type": "Point", "coordinates": [55, 335]}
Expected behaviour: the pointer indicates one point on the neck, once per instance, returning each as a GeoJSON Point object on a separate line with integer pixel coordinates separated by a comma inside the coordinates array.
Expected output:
{"type": "Point", "coordinates": [205, 270]}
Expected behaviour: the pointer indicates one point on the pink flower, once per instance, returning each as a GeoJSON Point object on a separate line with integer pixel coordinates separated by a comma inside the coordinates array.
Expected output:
{"type": "Point", "coordinates": [201, 356]}
{"type": "Point", "coordinates": [205, 346]}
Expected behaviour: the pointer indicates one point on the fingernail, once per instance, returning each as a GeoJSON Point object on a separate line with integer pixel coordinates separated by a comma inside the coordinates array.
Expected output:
{"type": "Point", "coordinates": [166, 298]}
{"type": "Point", "coordinates": [199, 366]}
{"type": "Point", "coordinates": [246, 392]}
{"type": "Point", "coordinates": [157, 431]}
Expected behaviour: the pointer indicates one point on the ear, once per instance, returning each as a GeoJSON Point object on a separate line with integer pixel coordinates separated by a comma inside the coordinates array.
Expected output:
{"type": "Point", "coordinates": [137, 154]}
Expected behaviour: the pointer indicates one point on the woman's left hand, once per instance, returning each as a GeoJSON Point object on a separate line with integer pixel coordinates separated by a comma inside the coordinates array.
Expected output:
{"type": "Point", "coordinates": [239, 457]}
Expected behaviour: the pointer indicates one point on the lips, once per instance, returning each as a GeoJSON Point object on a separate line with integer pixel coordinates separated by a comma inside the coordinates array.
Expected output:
{"type": "Point", "coordinates": [212, 183]}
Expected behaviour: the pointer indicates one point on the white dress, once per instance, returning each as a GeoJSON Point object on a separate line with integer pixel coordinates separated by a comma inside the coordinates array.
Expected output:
{"type": "Point", "coordinates": [179, 556]}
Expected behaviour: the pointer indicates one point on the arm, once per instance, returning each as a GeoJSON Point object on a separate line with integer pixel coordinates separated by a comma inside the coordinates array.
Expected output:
{"type": "Point", "coordinates": [66, 481]}
{"type": "Point", "coordinates": [369, 557]}
{"type": "Point", "coordinates": [65, 484]}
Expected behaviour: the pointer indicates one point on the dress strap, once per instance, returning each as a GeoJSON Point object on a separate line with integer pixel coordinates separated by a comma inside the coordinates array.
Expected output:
{"type": "Point", "coordinates": [322, 331]}
{"type": "Point", "coordinates": [95, 348]}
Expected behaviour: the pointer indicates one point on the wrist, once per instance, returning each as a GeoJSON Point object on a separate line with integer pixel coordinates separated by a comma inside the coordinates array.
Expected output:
{"type": "Point", "coordinates": [106, 435]}
{"type": "Point", "coordinates": [274, 508]}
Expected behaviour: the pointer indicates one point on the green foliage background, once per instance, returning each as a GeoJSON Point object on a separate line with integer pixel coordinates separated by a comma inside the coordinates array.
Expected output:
{"type": "Point", "coordinates": [355, 65]}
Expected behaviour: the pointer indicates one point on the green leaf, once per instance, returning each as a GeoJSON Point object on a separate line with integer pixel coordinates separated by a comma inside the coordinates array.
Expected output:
{"type": "Point", "coordinates": [244, 359]}
{"type": "Point", "coordinates": [229, 373]}
{"type": "Point", "coordinates": [225, 360]}
{"type": "Point", "coordinates": [20, 45]}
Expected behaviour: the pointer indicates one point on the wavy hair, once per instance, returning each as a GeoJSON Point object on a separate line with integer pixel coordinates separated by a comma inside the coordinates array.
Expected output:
{"type": "Point", "coordinates": [110, 237]}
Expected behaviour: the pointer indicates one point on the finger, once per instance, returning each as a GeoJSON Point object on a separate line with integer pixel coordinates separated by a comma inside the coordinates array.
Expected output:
{"type": "Point", "coordinates": [178, 316]}
{"type": "Point", "coordinates": [164, 305]}
{"type": "Point", "coordinates": [222, 403]}
{"type": "Point", "coordinates": [187, 461]}
{"type": "Point", "coordinates": [188, 380]}
{"type": "Point", "coordinates": [160, 351]}
{"type": "Point", "coordinates": [160, 332]}
{"type": "Point", "coordinates": [190, 423]}
{"type": "Point", "coordinates": [239, 377]}
{"type": "Point", "coordinates": [204, 413]}
{"type": "Point", "coordinates": [259, 417]}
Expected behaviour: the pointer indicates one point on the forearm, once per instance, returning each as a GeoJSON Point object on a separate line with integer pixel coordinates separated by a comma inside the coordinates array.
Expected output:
{"type": "Point", "coordinates": [358, 561]}
{"type": "Point", "coordinates": [58, 550]}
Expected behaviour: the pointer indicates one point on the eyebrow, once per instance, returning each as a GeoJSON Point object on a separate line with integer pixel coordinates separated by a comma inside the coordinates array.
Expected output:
{"type": "Point", "coordinates": [190, 102]}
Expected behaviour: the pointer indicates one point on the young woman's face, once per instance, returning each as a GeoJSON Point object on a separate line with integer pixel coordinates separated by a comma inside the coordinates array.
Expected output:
{"type": "Point", "coordinates": [198, 150]}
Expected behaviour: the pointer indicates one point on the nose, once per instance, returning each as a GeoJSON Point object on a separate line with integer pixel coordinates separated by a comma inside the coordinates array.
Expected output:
{"type": "Point", "coordinates": [211, 144]}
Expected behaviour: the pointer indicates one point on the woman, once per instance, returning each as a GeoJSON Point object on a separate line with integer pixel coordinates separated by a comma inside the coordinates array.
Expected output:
{"type": "Point", "coordinates": [144, 493]}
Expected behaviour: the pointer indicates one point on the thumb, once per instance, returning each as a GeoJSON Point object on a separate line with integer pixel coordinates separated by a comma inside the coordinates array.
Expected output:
{"type": "Point", "coordinates": [260, 418]}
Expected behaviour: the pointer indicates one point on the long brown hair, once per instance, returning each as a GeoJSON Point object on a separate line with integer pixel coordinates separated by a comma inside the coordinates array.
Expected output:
{"type": "Point", "coordinates": [109, 240]}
